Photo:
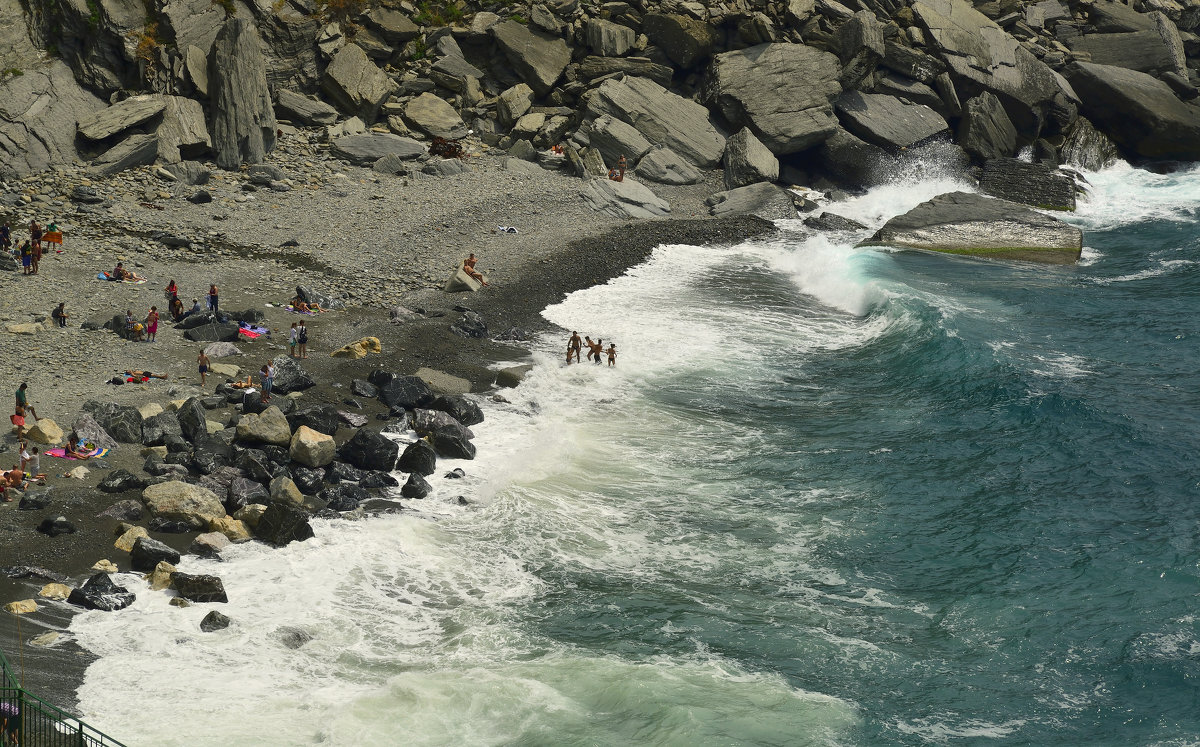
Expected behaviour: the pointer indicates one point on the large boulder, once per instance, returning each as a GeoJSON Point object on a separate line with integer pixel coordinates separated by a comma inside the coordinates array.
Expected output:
{"type": "Point", "coordinates": [763, 199]}
{"type": "Point", "coordinates": [268, 427]}
{"type": "Point", "coordinates": [243, 119]}
{"type": "Point", "coordinates": [283, 523]}
{"type": "Point", "coordinates": [213, 332]}
{"type": "Point", "coordinates": [462, 409]}
{"type": "Point", "coordinates": [311, 448]}
{"type": "Point", "coordinates": [1036, 184]}
{"type": "Point", "coordinates": [784, 92]}
{"type": "Point", "coordinates": [199, 587]}
{"type": "Point", "coordinates": [306, 111]}
{"type": "Point", "coordinates": [45, 431]}
{"type": "Point", "coordinates": [860, 46]}
{"type": "Point", "coordinates": [368, 148]}
{"type": "Point", "coordinates": [609, 39]}
{"type": "Point", "coordinates": [1087, 148]}
{"type": "Point", "coordinates": [406, 392]}
{"type": "Point", "coordinates": [452, 442]}
{"type": "Point", "coordinates": [39, 114]}
{"type": "Point", "coordinates": [664, 166]}
{"type": "Point", "coordinates": [981, 56]}
{"type": "Point", "coordinates": [1144, 51]}
{"type": "Point", "coordinates": [980, 226]}
{"type": "Point", "coordinates": [433, 116]}
{"type": "Point", "coordinates": [355, 84]}
{"type": "Point", "coordinates": [748, 161]}
{"type": "Point", "coordinates": [180, 501]}
{"type": "Point", "coordinates": [89, 430]}
{"type": "Point", "coordinates": [686, 41]}
{"type": "Point", "coordinates": [193, 419]}
{"type": "Point", "coordinates": [371, 450]}
{"type": "Point", "coordinates": [985, 131]}
{"type": "Point", "coordinates": [121, 422]}
{"type": "Point", "coordinates": [133, 151]}
{"type": "Point", "coordinates": [148, 553]}
{"type": "Point", "coordinates": [623, 200]}
{"type": "Point", "coordinates": [320, 418]}
{"type": "Point", "coordinates": [121, 116]}
{"type": "Point", "coordinates": [513, 103]}
{"type": "Point", "coordinates": [615, 138]}
{"type": "Point", "coordinates": [100, 593]}
{"type": "Point", "coordinates": [290, 376]}
{"type": "Point", "coordinates": [888, 121]}
{"type": "Point", "coordinates": [538, 58]}
{"type": "Point", "coordinates": [182, 134]}
{"type": "Point", "coordinates": [663, 118]}
{"type": "Point", "coordinates": [1140, 113]}
{"type": "Point", "coordinates": [419, 458]}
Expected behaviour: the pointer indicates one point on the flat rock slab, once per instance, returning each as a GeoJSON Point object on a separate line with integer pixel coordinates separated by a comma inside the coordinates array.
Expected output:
{"type": "Point", "coordinates": [368, 148]}
{"type": "Point", "coordinates": [121, 116]}
{"type": "Point", "coordinates": [1140, 113]}
{"type": "Point", "coordinates": [432, 115]}
{"type": "Point", "coordinates": [762, 199]}
{"type": "Point", "coordinates": [538, 58]}
{"type": "Point", "coordinates": [663, 118]}
{"type": "Point", "coordinates": [627, 199]}
{"type": "Point", "coordinates": [887, 121]}
{"type": "Point", "coordinates": [979, 226]}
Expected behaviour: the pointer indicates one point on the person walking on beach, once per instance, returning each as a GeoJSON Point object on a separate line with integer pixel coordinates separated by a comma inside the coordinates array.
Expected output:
{"type": "Point", "coordinates": [37, 257]}
{"type": "Point", "coordinates": [202, 363]}
{"type": "Point", "coordinates": [212, 298]}
{"type": "Point", "coordinates": [612, 354]}
{"type": "Point", "coordinates": [152, 324]}
{"type": "Point", "coordinates": [302, 339]}
{"type": "Point", "coordinates": [59, 315]}
{"type": "Point", "coordinates": [574, 345]}
{"type": "Point", "coordinates": [22, 398]}
{"type": "Point", "coordinates": [293, 338]}
{"type": "Point", "coordinates": [268, 380]}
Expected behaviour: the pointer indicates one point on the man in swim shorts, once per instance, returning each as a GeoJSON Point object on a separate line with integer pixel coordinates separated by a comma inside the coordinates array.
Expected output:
{"type": "Point", "coordinates": [574, 345]}
{"type": "Point", "coordinates": [202, 364]}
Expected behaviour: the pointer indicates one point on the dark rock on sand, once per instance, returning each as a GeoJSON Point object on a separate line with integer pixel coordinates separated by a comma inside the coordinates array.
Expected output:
{"type": "Point", "coordinates": [378, 480]}
{"type": "Point", "coordinates": [415, 487]}
{"type": "Point", "coordinates": [459, 407]}
{"type": "Point", "coordinates": [56, 526]}
{"type": "Point", "coordinates": [344, 496]}
{"type": "Point", "coordinates": [88, 429]}
{"type": "Point", "coordinates": [122, 422]}
{"type": "Point", "coordinates": [148, 553]}
{"type": "Point", "coordinates": [243, 492]}
{"type": "Point", "coordinates": [309, 481]}
{"type": "Point", "coordinates": [100, 593]}
{"type": "Point", "coordinates": [193, 421]}
{"type": "Point", "coordinates": [282, 523]}
{"type": "Point", "coordinates": [290, 376]}
{"type": "Point", "coordinates": [33, 502]}
{"type": "Point", "coordinates": [471, 325]}
{"type": "Point", "coordinates": [361, 388]}
{"type": "Point", "coordinates": [370, 450]}
{"type": "Point", "coordinates": [121, 480]}
{"type": "Point", "coordinates": [127, 510]}
{"type": "Point", "coordinates": [255, 465]}
{"type": "Point", "coordinates": [199, 588]}
{"type": "Point", "coordinates": [156, 428]}
{"type": "Point", "coordinates": [214, 332]}
{"type": "Point", "coordinates": [338, 472]}
{"type": "Point", "coordinates": [213, 622]}
{"type": "Point", "coordinates": [321, 418]}
{"type": "Point", "coordinates": [418, 458]}
{"type": "Point", "coordinates": [34, 572]}
{"type": "Point", "coordinates": [407, 392]}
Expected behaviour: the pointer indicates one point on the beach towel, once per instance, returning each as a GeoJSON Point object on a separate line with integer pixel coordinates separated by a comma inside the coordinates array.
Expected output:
{"type": "Point", "coordinates": [294, 310]}
{"type": "Point", "coordinates": [251, 331]}
{"type": "Point", "coordinates": [506, 229]}
{"type": "Point", "coordinates": [61, 453]}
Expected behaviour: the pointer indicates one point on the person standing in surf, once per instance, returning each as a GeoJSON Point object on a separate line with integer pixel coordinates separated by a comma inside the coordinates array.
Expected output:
{"type": "Point", "coordinates": [612, 354]}
{"type": "Point", "coordinates": [574, 345]}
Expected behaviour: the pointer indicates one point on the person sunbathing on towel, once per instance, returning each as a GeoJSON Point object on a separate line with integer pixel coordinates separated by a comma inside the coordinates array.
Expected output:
{"type": "Point", "coordinates": [146, 375]}
{"type": "Point", "coordinates": [300, 305]}
{"type": "Point", "coordinates": [73, 448]}
{"type": "Point", "coordinates": [120, 273]}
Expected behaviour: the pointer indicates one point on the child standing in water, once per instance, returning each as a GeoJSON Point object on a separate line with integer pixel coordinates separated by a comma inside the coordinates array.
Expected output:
{"type": "Point", "coordinates": [612, 354]}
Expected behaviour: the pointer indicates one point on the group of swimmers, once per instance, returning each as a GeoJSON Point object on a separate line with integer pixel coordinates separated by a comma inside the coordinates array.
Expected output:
{"type": "Point", "coordinates": [596, 351]}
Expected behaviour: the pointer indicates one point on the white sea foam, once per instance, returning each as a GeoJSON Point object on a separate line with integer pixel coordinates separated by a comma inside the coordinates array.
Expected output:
{"type": "Point", "coordinates": [1160, 268]}
{"type": "Point", "coordinates": [1123, 194]}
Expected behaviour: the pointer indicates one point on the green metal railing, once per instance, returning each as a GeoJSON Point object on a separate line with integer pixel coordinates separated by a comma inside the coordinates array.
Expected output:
{"type": "Point", "coordinates": [29, 721]}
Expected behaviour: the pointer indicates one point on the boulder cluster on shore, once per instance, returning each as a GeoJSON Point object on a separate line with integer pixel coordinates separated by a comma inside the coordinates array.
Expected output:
{"type": "Point", "coordinates": [627, 111]}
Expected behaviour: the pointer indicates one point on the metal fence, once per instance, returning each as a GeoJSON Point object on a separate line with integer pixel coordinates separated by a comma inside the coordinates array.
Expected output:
{"type": "Point", "coordinates": [29, 721]}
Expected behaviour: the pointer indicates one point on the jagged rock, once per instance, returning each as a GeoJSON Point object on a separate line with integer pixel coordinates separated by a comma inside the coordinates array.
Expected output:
{"type": "Point", "coordinates": [663, 118]}
{"type": "Point", "coordinates": [311, 448]}
{"type": "Point", "coordinates": [243, 120]}
{"type": "Point", "coordinates": [199, 588]}
{"type": "Point", "coordinates": [392, 26]}
{"type": "Point", "coordinates": [980, 55]}
{"type": "Point", "coordinates": [213, 332]}
{"type": "Point", "coordinates": [888, 121]}
{"type": "Point", "coordinates": [45, 431]}
{"type": "Point", "coordinates": [911, 63]}
{"type": "Point", "coordinates": [89, 430]}
{"type": "Point", "coordinates": [1035, 184]}
{"type": "Point", "coordinates": [609, 39]}
{"type": "Point", "coordinates": [366, 149]}
{"type": "Point", "coordinates": [39, 116]}
{"type": "Point", "coordinates": [1144, 51]}
{"type": "Point", "coordinates": [213, 622]}
{"type": "Point", "coordinates": [100, 593]}
{"type": "Point", "coordinates": [1114, 17]}
{"type": "Point", "coordinates": [425, 421]}
{"type": "Point", "coordinates": [860, 46]}
{"type": "Point", "coordinates": [180, 501]}
{"type": "Point", "coordinates": [405, 392]}
{"type": "Point", "coordinates": [148, 553]}
{"type": "Point", "coordinates": [685, 40]}
{"type": "Point", "coordinates": [985, 130]}
{"type": "Point", "coordinates": [268, 427]}
{"type": "Point", "coordinates": [415, 486]}
{"type": "Point", "coordinates": [283, 489]}
{"type": "Point", "coordinates": [283, 523]}
{"type": "Point", "coordinates": [56, 526]}
{"type": "Point", "coordinates": [344, 496]}
{"type": "Point", "coordinates": [538, 58]}
{"type": "Point", "coordinates": [121, 116]}
{"type": "Point", "coordinates": [156, 429]}
{"type": "Point", "coordinates": [828, 221]}
{"type": "Point", "coordinates": [462, 409]}
{"type": "Point", "coordinates": [1087, 148]}
{"type": "Point", "coordinates": [763, 199]}
{"type": "Point", "coordinates": [454, 73]}
{"type": "Point", "coordinates": [193, 422]}
{"type": "Point", "coordinates": [302, 109]}
{"type": "Point", "coordinates": [513, 103]}
{"type": "Point", "coordinates": [748, 161]}
{"type": "Point", "coordinates": [432, 115]}
{"type": "Point", "coordinates": [121, 480]}
{"type": "Point", "coordinates": [914, 91]}
{"type": "Point", "coordinates": [121, 422]}
{"type": "Point", "coordinates": [635, 67]}
{"type": "Point", "coordinates": [290, 376]}
{"type": "Point", "coordinates": [379, 480]}
{"type": "Point", "coordinates": [135, 150]}
{"type": "Point", "coordinates": [419, 458]}
{"type": "Point", "coordinates": [189, 172]}
{"type": "Point", "coordinates": [614, 138]}
{"type": "Point", "coordinates": [355, 84]}
{"type": "Point", "coordinates": [370, 450]}
{"type": "Point", "coordinates": [623, 200]}
{"type": "Point", "coordinates": [320, 418]}
{"type": "Point", "coordinates": [209, 544]}
{"type": "Point", "coordinates": [182, 133]}
{"type": "Point", "coordinates": [1139, 113]}
{"type": "Point", "coordinates": [784, 92]}
{"type": "Point", "coordinates": [452, 442]}
{"type": "Point", "coordinates": [663, 165]}
{"type": "Point", "coordinates": [243, 492]}
{"type": "Point", "coordinates": [361, 388]}
{"type": "Point", "coordinates": [975, 225]}
{"type": "Point", "coordinates": [126, 510]}
{"type": "Point", "coordinates": [338, 472]}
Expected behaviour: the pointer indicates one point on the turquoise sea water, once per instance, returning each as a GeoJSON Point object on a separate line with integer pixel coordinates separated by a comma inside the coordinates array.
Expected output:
{"type": "Point", "coordinates": [828, 496]}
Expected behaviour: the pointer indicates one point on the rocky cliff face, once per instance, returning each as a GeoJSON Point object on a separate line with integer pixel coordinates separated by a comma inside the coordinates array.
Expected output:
{"type": "Point", "coordinates": [820, 86]}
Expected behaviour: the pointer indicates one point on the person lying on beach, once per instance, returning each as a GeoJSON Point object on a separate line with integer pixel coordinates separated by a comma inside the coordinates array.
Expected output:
{"type": "Point", "coordinates": [239, 384]}
{"type": "Point", "coordinates": [120, 273]}
{"type": "Point", "coordinates": [72, 448]}
{"type": "Point", "coordinates": [146, 375]}
{"type": "Point", "coordinates": [300, 305]}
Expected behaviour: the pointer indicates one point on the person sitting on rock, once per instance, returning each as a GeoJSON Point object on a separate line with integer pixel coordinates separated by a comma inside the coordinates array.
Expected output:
{"type": "Point", "coordinates": [59, 315]}
{"type": "Point", "coordinates": [176, 308]}
{"type": "Point", "coordinates": [196, 309]}
{"type": "Point", "coordinates": [469, 268]}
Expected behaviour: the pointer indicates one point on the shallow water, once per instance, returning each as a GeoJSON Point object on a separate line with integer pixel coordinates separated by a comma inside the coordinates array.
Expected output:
{"type": "Point", "coordinates": [827, 496]}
